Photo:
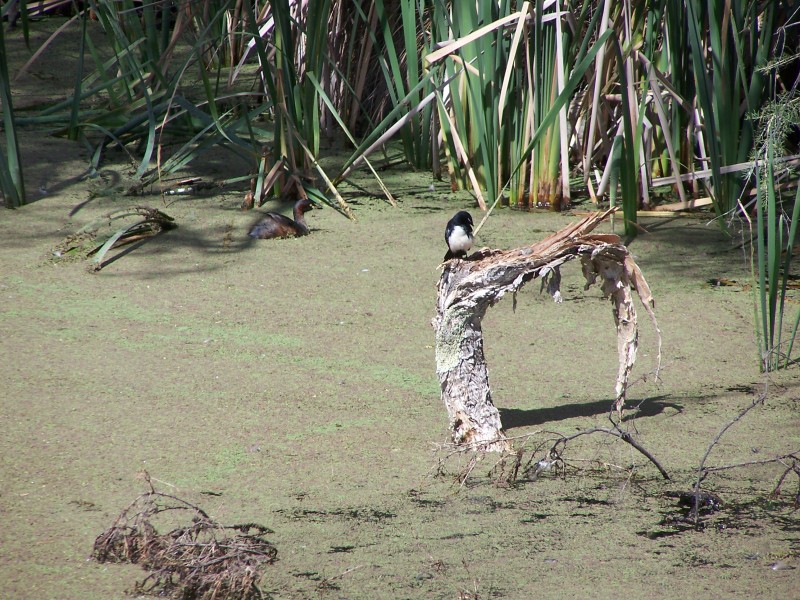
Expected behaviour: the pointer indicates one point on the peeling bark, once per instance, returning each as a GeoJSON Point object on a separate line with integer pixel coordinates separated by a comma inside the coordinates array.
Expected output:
{"type": "Point", "coordinates": [467, 288]}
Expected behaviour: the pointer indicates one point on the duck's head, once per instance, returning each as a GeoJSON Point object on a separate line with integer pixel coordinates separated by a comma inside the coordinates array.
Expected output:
{"type": "Point", "coordinates": [304, 205]}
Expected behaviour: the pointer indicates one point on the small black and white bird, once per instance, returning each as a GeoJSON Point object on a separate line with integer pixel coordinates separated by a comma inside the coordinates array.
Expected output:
{"type": "Point", "coordinates": [458, 235]}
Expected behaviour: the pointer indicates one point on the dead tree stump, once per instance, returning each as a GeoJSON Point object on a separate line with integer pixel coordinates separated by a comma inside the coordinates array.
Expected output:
{"type": "Point", "coordinates": [468, 287]}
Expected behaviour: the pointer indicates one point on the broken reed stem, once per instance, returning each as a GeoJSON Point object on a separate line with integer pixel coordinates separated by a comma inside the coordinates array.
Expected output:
{"type": "Point", "coordinates": [345, 572]}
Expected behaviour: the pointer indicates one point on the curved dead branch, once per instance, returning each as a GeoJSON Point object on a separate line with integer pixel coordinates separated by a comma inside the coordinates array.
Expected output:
{"type": "Point", "coordinates": [467, 288]}
{"type": "Point", "coordinates": [561, 443]}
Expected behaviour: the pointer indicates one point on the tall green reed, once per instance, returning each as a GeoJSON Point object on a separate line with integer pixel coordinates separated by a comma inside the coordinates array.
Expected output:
{"type": "Point", "coordinates": [730, 43]}
{"type": "Point", "coordinates": [12, 182]}
{"type": "Point", "coordinates": [775, 233]}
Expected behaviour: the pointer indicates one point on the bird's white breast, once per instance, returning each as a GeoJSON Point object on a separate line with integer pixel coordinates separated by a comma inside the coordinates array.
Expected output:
{"type": "Point", "coordinates": [459, 241]}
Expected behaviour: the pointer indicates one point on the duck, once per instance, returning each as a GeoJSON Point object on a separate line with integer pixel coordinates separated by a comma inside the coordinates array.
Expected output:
{"type": "Point", "coordinates": [275, 225]}
{"type": "Point", "coordinates": [458, 235]}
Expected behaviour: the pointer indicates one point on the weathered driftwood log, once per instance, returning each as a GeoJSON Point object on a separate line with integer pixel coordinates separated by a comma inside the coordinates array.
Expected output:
{"type": "Point", "coordinates": [468, 287]}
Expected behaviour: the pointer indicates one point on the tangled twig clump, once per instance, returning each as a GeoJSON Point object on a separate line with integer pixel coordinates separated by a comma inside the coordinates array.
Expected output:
{"type": "Point", "coordinates": [201, 561]}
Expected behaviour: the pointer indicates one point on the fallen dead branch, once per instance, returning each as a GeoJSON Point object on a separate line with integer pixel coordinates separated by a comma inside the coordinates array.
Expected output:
{"type": "Point", "coordinates": [191, 186]}
{"type": "Point", "coordinates": [766, 461]}
{"type": "Point", "coordinates": [547, 454]}
{"type": "Point", "coordinates": [467, 288]}
{"type": "Point", "coordinates": [200, 561]}
{"type": "Point", "coordinates": [625, 436]}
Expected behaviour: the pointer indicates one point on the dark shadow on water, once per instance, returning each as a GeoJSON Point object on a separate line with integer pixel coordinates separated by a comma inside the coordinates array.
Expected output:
{"type": "Point", "coordinates": [515, 417]}
{"type": "Point", "coordinates": [650, 407]}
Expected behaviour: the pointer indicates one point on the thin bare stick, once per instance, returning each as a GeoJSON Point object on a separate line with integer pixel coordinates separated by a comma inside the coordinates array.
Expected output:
{"type": "Point", "coordinates": [329, 581]}
{"type": "Point", "coordinates": [794, 467]}
{"type": "Point", "coordinates": [694, 514]}
{"type": "Point", "coordinates": [749, 463]}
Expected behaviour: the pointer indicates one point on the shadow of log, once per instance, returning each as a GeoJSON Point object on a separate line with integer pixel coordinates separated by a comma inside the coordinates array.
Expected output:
{"type": "Point", "coordinates": [515, 417]}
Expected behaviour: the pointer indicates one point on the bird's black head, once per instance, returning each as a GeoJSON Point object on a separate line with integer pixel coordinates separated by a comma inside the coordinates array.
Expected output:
{"type": "Point", "coordinates": [464, 219]}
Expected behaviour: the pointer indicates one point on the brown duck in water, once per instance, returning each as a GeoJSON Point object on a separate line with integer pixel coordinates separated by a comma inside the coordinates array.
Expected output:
{"type": "Point", "coordinates": [275, 225]}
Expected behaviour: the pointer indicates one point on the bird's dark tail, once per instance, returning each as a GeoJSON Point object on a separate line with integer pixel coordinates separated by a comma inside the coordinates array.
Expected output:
{"type": "Point", "coordinates": [450, 255]}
